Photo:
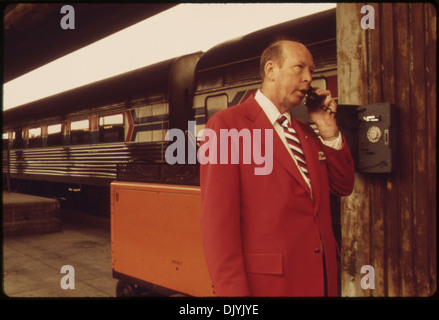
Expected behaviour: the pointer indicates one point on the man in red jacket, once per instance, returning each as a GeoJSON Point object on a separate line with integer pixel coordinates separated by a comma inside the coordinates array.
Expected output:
{"type": "Point", "coordinates": [271, 234]}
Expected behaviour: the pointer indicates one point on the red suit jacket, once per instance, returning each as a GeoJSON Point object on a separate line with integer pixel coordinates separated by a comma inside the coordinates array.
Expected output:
{"type": "Point", "coordinates": [263, 234]}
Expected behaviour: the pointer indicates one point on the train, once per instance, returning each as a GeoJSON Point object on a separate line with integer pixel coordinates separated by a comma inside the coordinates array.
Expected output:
{"type": "Point", "coordinates": [77, 138]}
{"type": "Point", "coordinates": [74, 140]}
{"type": "Point", "coordinates": [97, 142]}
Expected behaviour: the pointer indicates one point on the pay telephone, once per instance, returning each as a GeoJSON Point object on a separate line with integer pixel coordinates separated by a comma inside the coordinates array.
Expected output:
{"type": "Point", "coordinates": [370, 131]}
{"type": "Point", "coordinates": [377, 138]}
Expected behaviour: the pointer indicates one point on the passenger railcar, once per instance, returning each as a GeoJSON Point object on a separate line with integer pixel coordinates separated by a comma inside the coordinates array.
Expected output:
{"type": "Point", "coordinates": [75, 139]}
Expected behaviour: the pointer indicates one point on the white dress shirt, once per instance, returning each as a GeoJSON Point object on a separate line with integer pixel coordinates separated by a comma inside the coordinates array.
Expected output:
{"type": "Point", "coordinates": [273, 114]}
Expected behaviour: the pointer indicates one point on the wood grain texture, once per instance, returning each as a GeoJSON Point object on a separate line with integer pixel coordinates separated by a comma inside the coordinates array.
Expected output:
{"type": "Point", "coordinates": [389, 221]}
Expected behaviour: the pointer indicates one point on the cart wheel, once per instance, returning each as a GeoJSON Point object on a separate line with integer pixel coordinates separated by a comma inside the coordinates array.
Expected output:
{"type": "Point", "coordinates": [126, 289]}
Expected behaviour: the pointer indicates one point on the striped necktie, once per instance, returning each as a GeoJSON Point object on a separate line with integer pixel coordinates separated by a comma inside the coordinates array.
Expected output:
{"type": "Point", "coordinates": [294, 144]}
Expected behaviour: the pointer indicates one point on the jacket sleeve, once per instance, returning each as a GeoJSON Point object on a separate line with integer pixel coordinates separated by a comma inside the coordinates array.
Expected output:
{"type": "Point", "coordinates": [220, 218]}
{"type": "Point", "coordinates": [341, 170]}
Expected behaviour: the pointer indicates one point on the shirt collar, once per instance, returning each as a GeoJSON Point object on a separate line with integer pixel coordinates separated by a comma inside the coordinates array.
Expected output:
{"type": "Point", "coordinates": [269, 108]}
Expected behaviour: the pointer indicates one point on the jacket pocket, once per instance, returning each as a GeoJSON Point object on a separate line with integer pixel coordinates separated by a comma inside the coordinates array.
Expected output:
{"type": "Point", "coordinates": [264, 262]}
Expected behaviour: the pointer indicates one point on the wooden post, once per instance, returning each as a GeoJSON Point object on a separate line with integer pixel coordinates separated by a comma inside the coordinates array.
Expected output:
{"type": "Point", "coordinates": [352, 70]}
{"type": "Point", "coordinates": [389, 221]}
{"type": "Point", "coordinates": [8, 156]}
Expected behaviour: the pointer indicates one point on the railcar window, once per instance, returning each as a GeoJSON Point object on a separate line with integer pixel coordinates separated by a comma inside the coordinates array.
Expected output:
{"type": "Point", "coordinates": [113, 119]}
{"type": "Point", "coordinates": [320, 83]}
{"type": "Point", "coordinates": [5, 140]}
{"type": "Point", "coordinates": [35, 138]}
{"type": "Point", "coordinates": [159, 121]}
{"type": "Point", "coordinates": [54, 135]}
{"type": "Point", "coordinates": [149, 123]}
{"type": "Point", "coordinates": [79, 125]}
{"type": "Point", "coordinates": [80, 132]}
{"type": "Point", "coordinates": [215, 104]}
{"type": "Point", "coordinates": [111, 128]}
{"type": "Point", "coordinates": [55, 128]}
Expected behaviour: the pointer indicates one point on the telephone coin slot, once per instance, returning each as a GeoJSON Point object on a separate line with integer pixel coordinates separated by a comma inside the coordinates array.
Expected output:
{"type": "Point", "coordinates": [372, 118]}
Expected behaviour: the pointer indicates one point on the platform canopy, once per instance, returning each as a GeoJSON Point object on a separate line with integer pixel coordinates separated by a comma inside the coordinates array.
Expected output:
{"type": "Point", "coordinates": [33, 35]}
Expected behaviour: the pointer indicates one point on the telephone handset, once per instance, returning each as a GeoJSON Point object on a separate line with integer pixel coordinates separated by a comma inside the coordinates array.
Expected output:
{"type": "Point", "coordinates": [313, 100]}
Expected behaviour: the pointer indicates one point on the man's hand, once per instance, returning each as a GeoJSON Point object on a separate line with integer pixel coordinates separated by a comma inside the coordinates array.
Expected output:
{"type": "Point", "coordinates": [324, 117]}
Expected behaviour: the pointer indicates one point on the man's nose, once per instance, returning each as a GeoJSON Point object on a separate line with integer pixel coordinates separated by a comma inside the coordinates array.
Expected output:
{"type": "Point", "coordinates": [307, 77]}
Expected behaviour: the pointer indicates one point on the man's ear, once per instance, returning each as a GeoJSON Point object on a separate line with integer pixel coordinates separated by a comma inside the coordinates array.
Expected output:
{"type": "Point", "coordinates": [270, 70]}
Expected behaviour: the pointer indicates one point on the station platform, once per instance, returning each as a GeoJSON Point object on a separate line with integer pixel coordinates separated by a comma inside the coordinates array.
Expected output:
{"type": "Point", "coordinates": [32, 262]}
{"type": "Point", "coordinates": [26, 214]}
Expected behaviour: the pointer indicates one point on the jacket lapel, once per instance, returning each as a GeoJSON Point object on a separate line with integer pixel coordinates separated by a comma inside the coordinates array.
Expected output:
{"type": "Point", "coordinates": [260, 121]}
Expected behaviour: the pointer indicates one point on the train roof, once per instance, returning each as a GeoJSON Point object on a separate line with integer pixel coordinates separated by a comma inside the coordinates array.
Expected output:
{"type": "Point", "coordinates": [312, 29]}
{"type": "Point", "coordinates": [151, 81]}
